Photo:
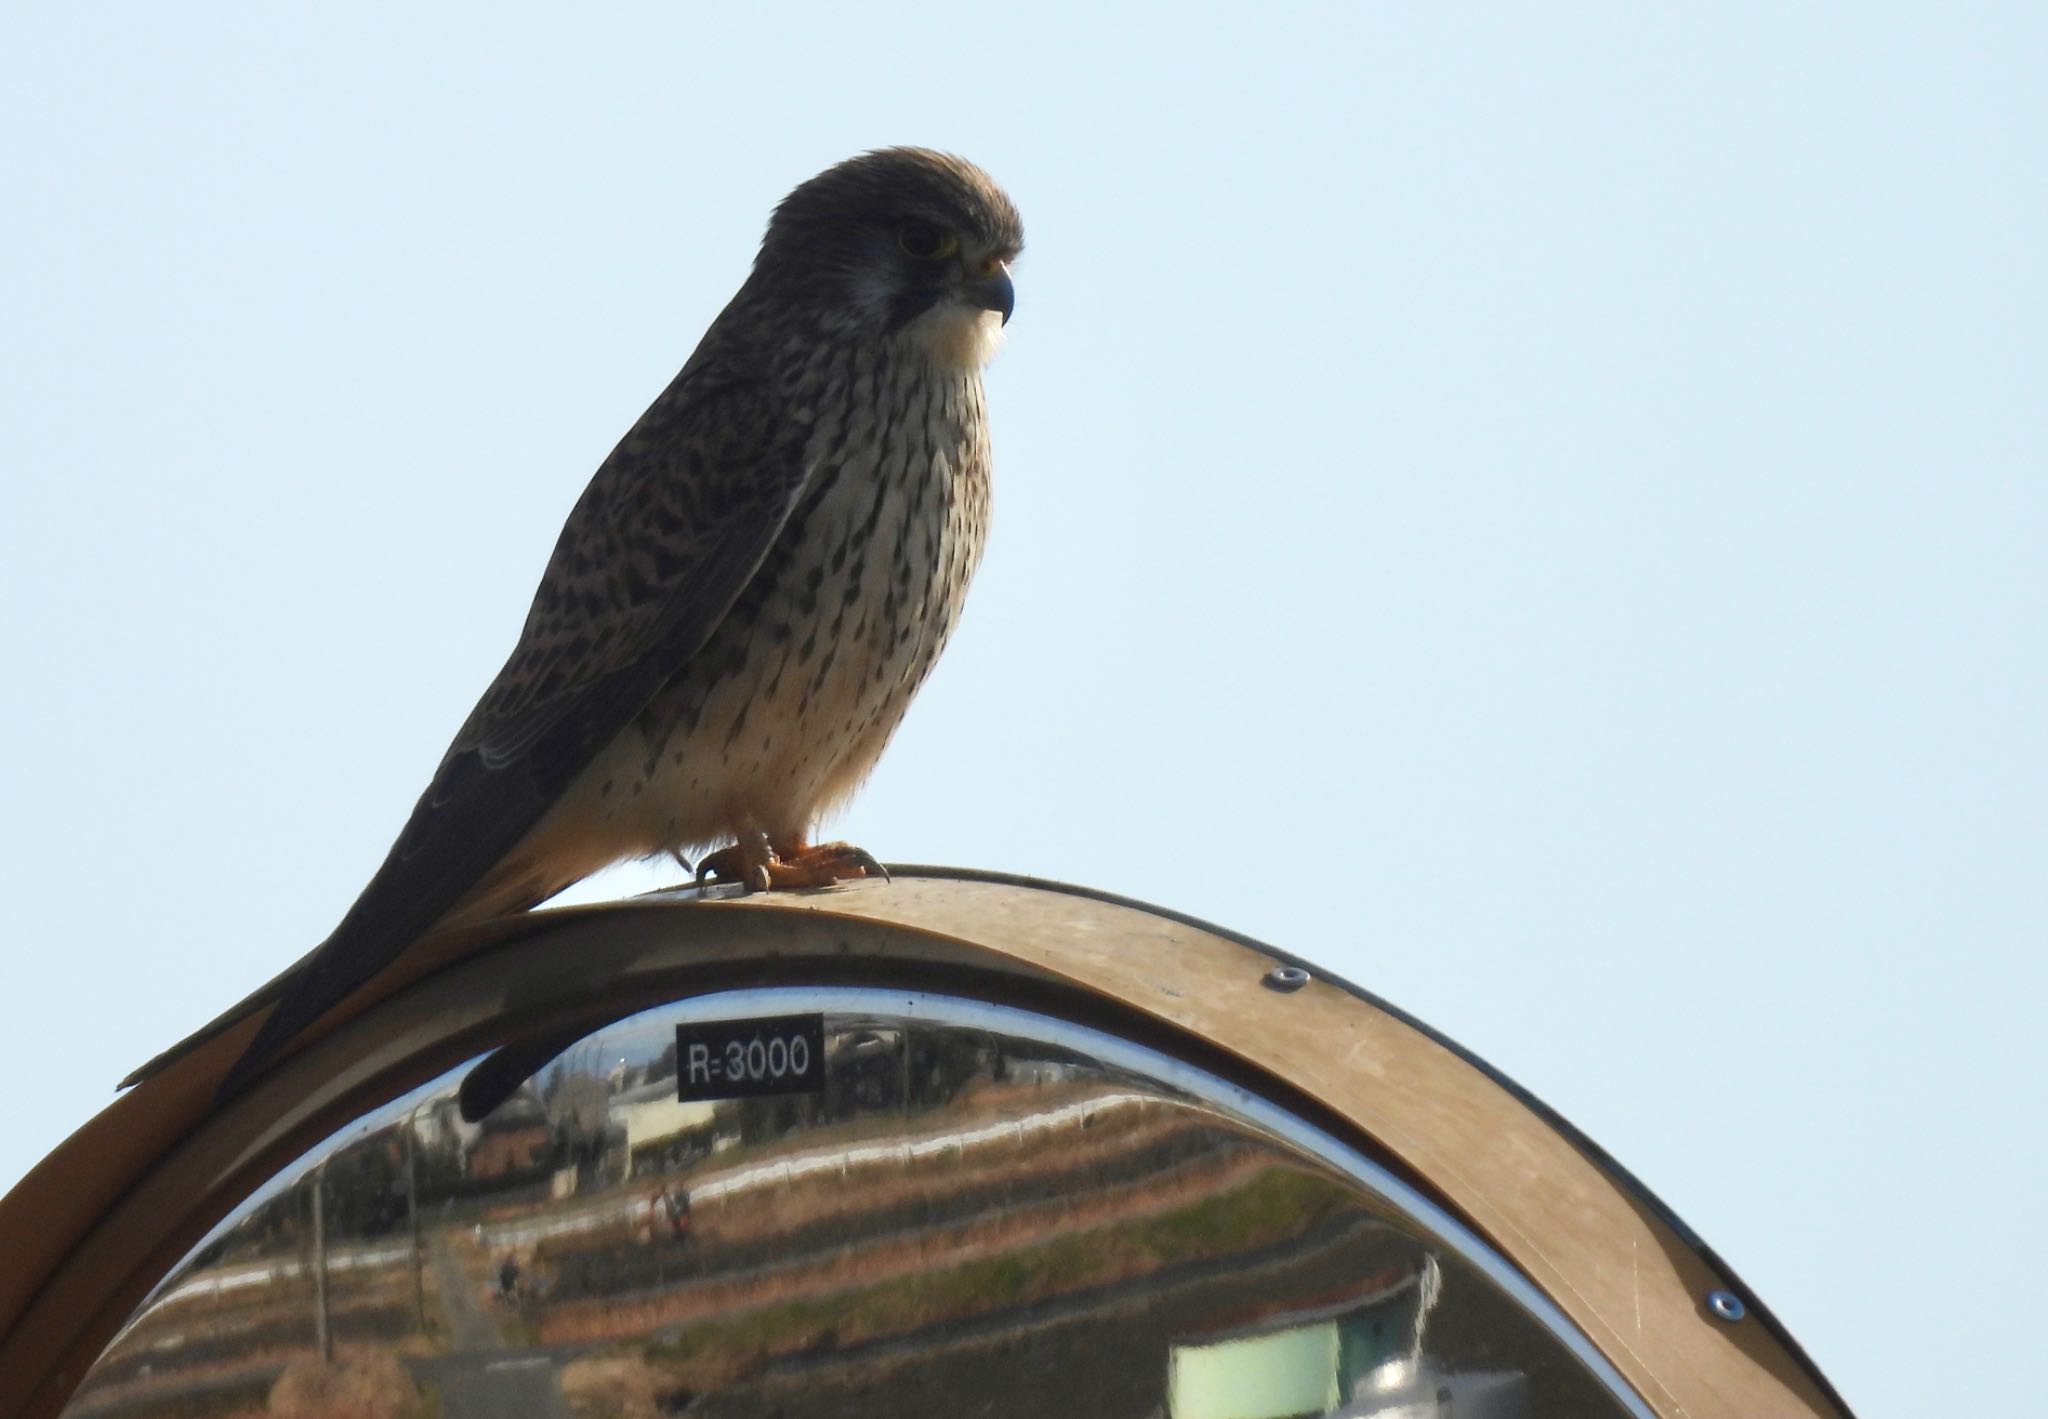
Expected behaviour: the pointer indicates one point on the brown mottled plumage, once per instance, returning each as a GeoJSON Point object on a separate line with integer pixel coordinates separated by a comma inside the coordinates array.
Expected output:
{"type": "Point", "coordinates": [747, 594]}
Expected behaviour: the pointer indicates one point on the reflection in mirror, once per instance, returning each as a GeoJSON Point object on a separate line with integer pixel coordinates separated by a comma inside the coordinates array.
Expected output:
{"type": "Point", "coordinates": [850, 1203]}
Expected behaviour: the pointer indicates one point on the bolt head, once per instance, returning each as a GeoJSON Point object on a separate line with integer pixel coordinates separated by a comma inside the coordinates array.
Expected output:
{"type": "Point", "coordinates": [1726, 1305]}
{"type": "Point", "coordinates": [1285, 979]}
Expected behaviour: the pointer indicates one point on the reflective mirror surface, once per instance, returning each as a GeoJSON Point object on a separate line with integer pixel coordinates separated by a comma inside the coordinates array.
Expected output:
{"type": "Point", "coordinates": [844, 1203]}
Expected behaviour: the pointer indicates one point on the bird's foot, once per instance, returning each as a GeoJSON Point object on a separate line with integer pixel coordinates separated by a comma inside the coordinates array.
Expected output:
{"type": "Point", "coordinates": [761, 868]}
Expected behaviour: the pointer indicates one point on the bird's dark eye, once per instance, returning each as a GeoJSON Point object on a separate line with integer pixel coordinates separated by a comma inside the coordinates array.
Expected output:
{"type": "Point", "coordinates": [926, 242]}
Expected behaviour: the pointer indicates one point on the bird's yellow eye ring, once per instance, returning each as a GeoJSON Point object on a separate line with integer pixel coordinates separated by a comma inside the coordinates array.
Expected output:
{"type": "Point", "coordinates": [926, 242]}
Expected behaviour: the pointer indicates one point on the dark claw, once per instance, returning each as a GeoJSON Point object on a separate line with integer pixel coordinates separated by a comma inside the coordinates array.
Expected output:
{"type": "Point", "coordinates": [865, 861]}
{"type": "Point", "coordinates": [710, 867]}
{"type": "Point", "coordinates": [684, 862]}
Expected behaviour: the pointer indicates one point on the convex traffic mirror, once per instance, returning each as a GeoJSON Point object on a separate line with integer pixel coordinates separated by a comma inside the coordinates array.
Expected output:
{"type": "Point", "coordinates": [938, 1146]}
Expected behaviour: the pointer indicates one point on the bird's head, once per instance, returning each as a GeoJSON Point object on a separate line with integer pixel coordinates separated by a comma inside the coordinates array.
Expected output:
{"type": "Point", "coordinates": [900, 243]}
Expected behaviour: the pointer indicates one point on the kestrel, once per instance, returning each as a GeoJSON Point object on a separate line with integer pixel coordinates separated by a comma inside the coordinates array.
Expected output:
{"type": "Point", "coordinates": [745, 597]}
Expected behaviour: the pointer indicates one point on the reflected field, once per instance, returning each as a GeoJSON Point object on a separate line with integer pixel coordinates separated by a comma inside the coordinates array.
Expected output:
{"type": "Point", "coordinates": [960, 1213]}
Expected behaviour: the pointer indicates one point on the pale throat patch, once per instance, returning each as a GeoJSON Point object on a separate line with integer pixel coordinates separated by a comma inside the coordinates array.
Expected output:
{"type": "Point", "coordinates": [958, 336]}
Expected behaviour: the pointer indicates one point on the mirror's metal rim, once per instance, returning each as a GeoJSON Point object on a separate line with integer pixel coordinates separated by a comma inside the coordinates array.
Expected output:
{"type": "Point", "coordinates": [117, 1204]}
{"type": "Point", "coordinates": [1715, 1302]}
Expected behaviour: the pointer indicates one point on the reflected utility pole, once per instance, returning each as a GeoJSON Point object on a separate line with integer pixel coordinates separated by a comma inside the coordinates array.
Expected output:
{"type": "Point", "coordinates": [323, 1334]}
{"type": "Point", "coordinates": [905, 1032]}
{"type": "Point", "coordinates": [412, 1216]}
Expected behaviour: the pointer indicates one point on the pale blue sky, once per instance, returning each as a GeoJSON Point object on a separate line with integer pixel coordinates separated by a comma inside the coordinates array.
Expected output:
{"type": "Point", "coordinates": [1538, 508]}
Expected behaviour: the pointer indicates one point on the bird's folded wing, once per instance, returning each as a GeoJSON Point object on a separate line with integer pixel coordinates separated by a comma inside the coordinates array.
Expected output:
{"type": "Point", "coordinates": [665, 538]}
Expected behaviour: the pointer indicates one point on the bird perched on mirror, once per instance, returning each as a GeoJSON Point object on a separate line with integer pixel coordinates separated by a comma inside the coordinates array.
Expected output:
{"type": "Point", "coordinates": [745, 597]}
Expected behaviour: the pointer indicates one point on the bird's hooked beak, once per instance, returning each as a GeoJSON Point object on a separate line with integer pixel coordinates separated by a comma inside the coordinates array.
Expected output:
{"type": "Point", "coordinates": [992, 289]}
